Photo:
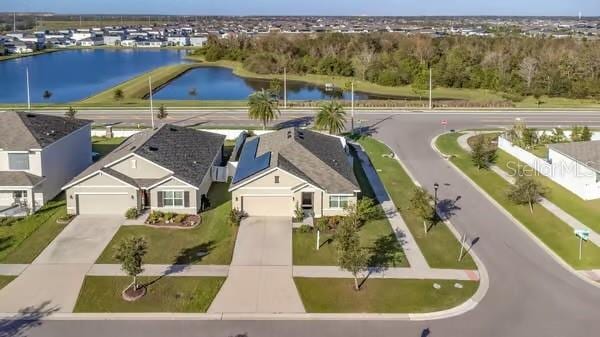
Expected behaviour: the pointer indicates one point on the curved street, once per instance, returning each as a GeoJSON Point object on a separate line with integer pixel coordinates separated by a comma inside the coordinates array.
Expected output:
{"type": "Point", "coordinates": [530, 294]}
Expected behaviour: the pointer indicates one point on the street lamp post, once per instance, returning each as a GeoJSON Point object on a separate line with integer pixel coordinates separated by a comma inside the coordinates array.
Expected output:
{"type": "Point", "coordinates": [436, 186]}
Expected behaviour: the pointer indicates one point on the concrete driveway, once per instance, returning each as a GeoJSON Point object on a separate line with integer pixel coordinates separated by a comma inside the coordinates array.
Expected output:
{"type": "Point", "coordinates": [260, 277]}
{"type": "Point", "coordinates": [53, 280]}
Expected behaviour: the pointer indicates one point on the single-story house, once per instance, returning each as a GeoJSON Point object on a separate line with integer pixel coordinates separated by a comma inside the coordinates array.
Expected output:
{"type": "Point", "coordinates": [38, 155]}
{"type": "Point", "coordinates": [168, 169]}
{"type": "Point", "coordinates": [294, 168]}
{"type": "Point", "coordinates": [576, 166]}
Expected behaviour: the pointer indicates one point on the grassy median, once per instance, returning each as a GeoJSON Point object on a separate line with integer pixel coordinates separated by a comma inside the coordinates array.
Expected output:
{"type": "Point", "coordinates": [439, 246]}
{"type": "Point", "coordinates": [5, 280]}
{"type": "Point", "coordinates": [164, 294]}
{"type": "Point", "coordinates": [327, 295]}
{"type": "Point", "coordinates": [557, 235]}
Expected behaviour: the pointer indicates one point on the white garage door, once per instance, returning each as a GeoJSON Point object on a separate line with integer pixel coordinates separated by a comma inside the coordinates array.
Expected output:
{"type": "Point", "coordinates": [103, 203]}
{"type": "Point", "coordinates": [268, 206]}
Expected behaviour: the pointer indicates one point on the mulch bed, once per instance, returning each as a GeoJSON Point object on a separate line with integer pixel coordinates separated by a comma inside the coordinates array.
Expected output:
{"type": "Point", "coordinates": [131, 295]}
{"type": "Point", "coordinates": [190, 221]}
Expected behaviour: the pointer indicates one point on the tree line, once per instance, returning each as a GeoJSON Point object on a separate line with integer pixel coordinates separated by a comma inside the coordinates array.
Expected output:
{"type": "Point", "coordinates": [514, 65]}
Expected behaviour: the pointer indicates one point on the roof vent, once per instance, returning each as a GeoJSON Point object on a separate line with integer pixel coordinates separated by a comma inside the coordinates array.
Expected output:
{"type": "Point", "coordinates": [153, 148]}
{"type": "Point", "coordinates": [173, 129]}
{"type": "Point", "coordinates": [30, 116]}
{"type": "Point", "coordinates": [289, 134]}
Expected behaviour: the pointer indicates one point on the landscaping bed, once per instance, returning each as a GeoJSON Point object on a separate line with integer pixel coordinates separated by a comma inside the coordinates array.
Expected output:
{"type": "Point", "coordinates": [163, 294]}
{"type": "Point", "coordinates": [210, 243]}
{"type": "Point", "coordinates": [439, 245]}
{"type": "Point", "coordinates": [327, 295]}
{"type": "Point", "coordinates": [555, 234]}
{"type": "Point", "coordinates": [172, 220]}
{"type": "Point", "coordinates": [22, 240]}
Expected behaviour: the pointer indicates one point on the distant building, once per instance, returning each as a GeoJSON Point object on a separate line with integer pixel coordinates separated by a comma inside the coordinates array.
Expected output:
{"type": "Point", "coordinates": [198, 41]}
{"type": "Point", "coordinates": [112, 40]}
{"type": "Point", "coordinates": [178, 41]}
{"type": "Point", "coordinates": [91, 42]}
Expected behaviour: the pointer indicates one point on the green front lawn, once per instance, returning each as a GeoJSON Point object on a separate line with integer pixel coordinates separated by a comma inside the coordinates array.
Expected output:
{"type": "Point", "coordinates": [23, 240]}
{"type": "Point", "coordinates": [440, 247]}
{"type": "Point", "coordinates": [557, 235]}
{"type": "Point", "coordinates": [375, 235]}
{"type": "Point", "coordinates": [164, 294]}
{"type": "Point", "coordinates": [322, 295]}
{"type": "Point", "coordinates": [186, 246]}
{"type": "Point", "coordinates": [104, 146]}
{"type": "Point", "coordinates": [5, 280]}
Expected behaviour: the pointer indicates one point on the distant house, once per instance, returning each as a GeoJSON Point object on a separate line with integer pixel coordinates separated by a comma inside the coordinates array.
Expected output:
{"type": "Point", "coordinates": [151, 43]}
{"type": "Point", "coordinates": [129, 43]}
{"type": "Point", "coordinates": [112, 40]}
{"type": "Point", "coordinates": [294, 168]}
{"type": "Point", "coordinates": [168, 169]}
{"type": "Point", "coordinates": [91, 42]}
{"type": "Point", "coordinates": [18, 47]}
{"type": "Point", "coordinates": [38, 155]}
{"type": "Point", "coordinates": [198, 41]}
{"type": "Point", "coordinates": [178, 40]}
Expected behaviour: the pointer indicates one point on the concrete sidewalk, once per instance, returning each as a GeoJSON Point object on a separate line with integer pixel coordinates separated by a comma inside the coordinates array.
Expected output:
{"type": "Point", "coordinates": [409, 245]}
{"type": "Point", "coordinates": [162, 269]}
{"type": "Point", "coordinates": [547, 204]}
{"type": "Point", "coordinates": [390, 273]}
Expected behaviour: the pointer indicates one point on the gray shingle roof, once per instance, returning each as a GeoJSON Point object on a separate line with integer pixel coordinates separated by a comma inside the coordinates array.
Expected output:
{"type": "Point", "coordinates": [22, 131]}
{"type": "Point", "coordinates": [187, 152]}
{"type": "Point", "coordinates": [315, 157]}
{"type": "Point", "coordinates": [18, 178]}
{"type": "Point", "coordinates": [586, 153]}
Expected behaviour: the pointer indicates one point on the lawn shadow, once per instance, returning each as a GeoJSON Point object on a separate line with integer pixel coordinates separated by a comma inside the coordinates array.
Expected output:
{"type": "Point", "coordinates": [326, 242]}
{"type": "Point", "coordinates": [386, 252]}
{"type": "Point", "coordinates": [446, 208]}
{"type": "Point", "coordinates": [192, 255]}
{"type": "Point", "coordinates": [217, 195]}
{"type": "Point", "coordinates": [6, 242]}
{"type": "Point", "coordinates": [27, 319]}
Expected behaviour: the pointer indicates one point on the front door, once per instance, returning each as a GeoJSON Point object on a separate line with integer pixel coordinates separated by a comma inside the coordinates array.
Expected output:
{"type": "Point", "coordinates": [146, 198]}
{"type": "Point", "coordinates": [307, 200]}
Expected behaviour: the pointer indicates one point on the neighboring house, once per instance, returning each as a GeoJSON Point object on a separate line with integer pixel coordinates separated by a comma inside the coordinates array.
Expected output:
{"type": "Point", "coordinates": [168, 169]}
{"type": "Point", "coordinates": [112, 40]}
{"type": "Point", "coordinates": [91, 42]}
{"type": "Point", "coordinates": [38, 155]}
{"type": "Point", "coordinates": [178, 40]}
{"type": "Point", "coordinates": [280, 171]}
{"type": "Point", "coordinates": [198, 41]}
{"type": "Point", "coordinates": [151, 43]}
{"type": "Point", "coordinates": [128, 43]}
{"type": "Point", "coordinates": [576, 166]}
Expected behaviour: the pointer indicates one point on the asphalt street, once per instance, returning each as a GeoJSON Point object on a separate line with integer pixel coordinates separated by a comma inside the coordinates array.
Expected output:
{"type": "Point", "coordinates": [530, 294]}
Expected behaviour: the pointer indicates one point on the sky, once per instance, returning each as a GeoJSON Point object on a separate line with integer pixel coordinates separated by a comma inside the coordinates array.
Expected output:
{"type": "Point", "coordinates": [310, 7]}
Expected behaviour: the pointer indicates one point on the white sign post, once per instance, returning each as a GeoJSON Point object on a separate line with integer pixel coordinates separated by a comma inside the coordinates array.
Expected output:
{"type": "Point", "coordinates": [318, 239]}
{"type": "Point", "coordinates": [463, 240]}
{"type": "Point", "coordinates": [583, 235]}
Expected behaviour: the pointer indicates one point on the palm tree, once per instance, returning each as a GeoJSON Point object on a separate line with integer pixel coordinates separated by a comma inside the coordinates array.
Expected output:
{"type": "Point", "coordinates": [263, 107]}
{"type": "Point", "coordinates": [331, 117]}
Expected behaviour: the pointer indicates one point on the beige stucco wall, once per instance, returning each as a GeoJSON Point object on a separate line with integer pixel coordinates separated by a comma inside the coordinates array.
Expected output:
{"type": "Point", "coordinates": [328, 211]}
{"type": "Point", "coordinates": [35, 161]}
{"type": "Point", "coordinates": [143, 168]}
{"type": "Point", "coordinates": [100, 183]}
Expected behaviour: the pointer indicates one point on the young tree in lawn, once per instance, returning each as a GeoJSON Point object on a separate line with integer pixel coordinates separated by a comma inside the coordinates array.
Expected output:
{"type": "Point", "coordinates": [351, 256]}
{"type": "Point", "coordinates": [130, 254]}
{"type": "Point", "coordinates": [118, 94]}
{"type": "Point", "coordinates": [586, 134]}
{"type": "Point", "coordinates": [363, 210]}
{"type": "Point", "coordinates": [421, 203]}
{"type": "Point", "coordinates": [331, 117]}
{"type": "Point", "coordinates": [262, 106]}
{"type": "Point", "coordinates": [70, 113]}
{"type": "Point", "coordinates": [482, 154]}
{"type": "Point", "coordinates": [526, 191]}
{"type": "Point", "coordinates": [162, 112]}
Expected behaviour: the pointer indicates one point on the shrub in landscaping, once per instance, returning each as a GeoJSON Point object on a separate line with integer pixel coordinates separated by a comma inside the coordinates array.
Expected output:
{"type": "Point", "coordinates": [298, 214]}
{"type": "Point", "coordinates": [179, 218]}
{"type": "Point", "coordinates": [235, 217]}
{"type": "Point", "coordinates": [168, 217]}
{"type": "Point", "coordinates": [155, 217]}
{"type": "Point", "coordinates": [322, 224]}
{"type": "Point", "coordinates": [305, 229]}
{"type": "Point", "coordinates": [132, 213]}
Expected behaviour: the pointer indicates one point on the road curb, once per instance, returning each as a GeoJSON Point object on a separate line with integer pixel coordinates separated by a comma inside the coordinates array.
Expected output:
{"type": "Point", "coordinates": [539, 242]}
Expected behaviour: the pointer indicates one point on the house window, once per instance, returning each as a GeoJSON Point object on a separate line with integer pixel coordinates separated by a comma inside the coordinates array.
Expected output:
{"type": "Point", "coordinates": [18, 161]}
{"type": "Point", "coordinates": [276, 179]}
{"type": "Point", "coordinates": [133, 163]}
{"type": "Point", "coordinates": [338, 201]}
{"type": "Point", "coordinates": [18, 195]}
{"type": "Point", "coordinates": [172, 199]}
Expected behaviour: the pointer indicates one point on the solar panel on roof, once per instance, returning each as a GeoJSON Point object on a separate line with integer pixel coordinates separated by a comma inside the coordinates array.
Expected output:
{"type": "Point", "coordinates": [249, 163]}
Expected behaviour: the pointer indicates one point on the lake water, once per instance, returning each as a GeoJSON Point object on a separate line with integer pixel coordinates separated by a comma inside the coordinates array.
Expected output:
{"type": "Point", "coordinates": [76, 74]}
{"type": "Point", "coordinates": [216, 83]}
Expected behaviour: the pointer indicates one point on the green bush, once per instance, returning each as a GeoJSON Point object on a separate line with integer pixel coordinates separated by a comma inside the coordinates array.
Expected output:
{"type": "Point", "coordinates": [235, 217]}
{"type": "Point", "coordinates": [169, 216]}
{"type": "Point", "coordinates": [155, 217]}
{"type": "Point", "coordinates": [298, 214]}
{"type": "Point", "coordinates": [132, 213]}
{"type": "Point", "coordinates": [305, 229]}
{"type": "Point", "coordinates": [179, 218]}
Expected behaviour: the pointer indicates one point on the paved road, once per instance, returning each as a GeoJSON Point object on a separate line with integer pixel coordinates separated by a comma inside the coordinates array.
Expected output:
{"type": "Point", "coordinates": [530, 294]}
